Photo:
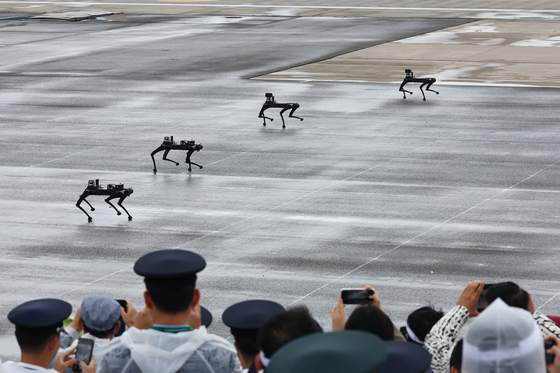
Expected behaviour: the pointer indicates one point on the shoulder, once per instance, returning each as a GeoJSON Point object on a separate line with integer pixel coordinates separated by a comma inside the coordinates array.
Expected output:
{"type": "Point", "coordinates": [218, 353]}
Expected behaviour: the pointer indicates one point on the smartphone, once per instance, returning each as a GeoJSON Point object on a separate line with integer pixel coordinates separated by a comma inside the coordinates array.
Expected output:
{"type": "Point", "coordinates": [481, 305]}
{"type": "Point", "coordinates": [356, 296]}
{"type": "Point", "coordinates": [123, 303]}
{"type": "Point", "coordinates": [549, 357]}
{"type": "Point", "coordinates": [83, 353]}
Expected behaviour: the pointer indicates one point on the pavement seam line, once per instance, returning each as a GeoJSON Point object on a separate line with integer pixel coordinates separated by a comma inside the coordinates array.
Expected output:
{"type": "Point", "coordinates": [425, 232]}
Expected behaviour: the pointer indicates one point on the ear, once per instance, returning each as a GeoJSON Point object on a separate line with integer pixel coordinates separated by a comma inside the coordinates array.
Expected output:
{"type": "Point", "coordinates": [196, 297]}
{"type": "Point", "coordinates": [258, 363]}
{"type": "Point", "coordinates": [454, 370]}
{"type": "Point", "coordinates": [117, 327]}
{"type": "Point", "coordinates": [54, 343]}
{"type": "Point", "coordinates": [148, 300]}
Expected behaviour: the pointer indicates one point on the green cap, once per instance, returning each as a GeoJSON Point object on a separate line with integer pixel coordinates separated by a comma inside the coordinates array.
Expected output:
{"type": "Point", "coordinates": [348, 351]}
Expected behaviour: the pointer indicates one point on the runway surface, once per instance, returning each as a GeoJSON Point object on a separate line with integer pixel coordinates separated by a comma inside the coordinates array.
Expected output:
{"type": "Point", "coordinates": [416, 198]}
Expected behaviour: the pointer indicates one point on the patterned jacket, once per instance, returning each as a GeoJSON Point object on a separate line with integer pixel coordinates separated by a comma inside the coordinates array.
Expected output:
{"type": "Point", "coordinates": [441, 339]}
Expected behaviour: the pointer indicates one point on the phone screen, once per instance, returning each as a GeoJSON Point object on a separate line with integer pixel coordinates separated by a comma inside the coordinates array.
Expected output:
{"type": "Point", "coordinates": [481, 304]}
{"type": "Point", "coordinates": [84, 351]}
{"type": "Point", "coordinates": [356, 296]}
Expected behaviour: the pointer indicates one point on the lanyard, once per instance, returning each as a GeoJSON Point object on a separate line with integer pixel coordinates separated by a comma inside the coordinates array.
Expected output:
{"type": "Point", "coordinates": [172, 328]}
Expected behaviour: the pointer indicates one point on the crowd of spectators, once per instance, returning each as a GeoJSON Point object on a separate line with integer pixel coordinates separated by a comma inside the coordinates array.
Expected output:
{"type": "Point", "coordinates": [506, 334]}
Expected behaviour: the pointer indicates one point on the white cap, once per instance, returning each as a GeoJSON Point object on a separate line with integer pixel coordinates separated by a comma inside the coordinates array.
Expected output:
{"type": "Point", "coordinates": [503, 339]}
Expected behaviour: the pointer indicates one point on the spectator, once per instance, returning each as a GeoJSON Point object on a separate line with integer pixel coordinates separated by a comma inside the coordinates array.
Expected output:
{"type": "Point", "coordinates": [348, 351]}
{"type": "Point", "coordinates": [403, 357]}
{"type": "Point", "coordinates": [371, 319]}
{"type": "Point", "coordinates": [100, 319]}
{"type": "Point", "coordinates": [281, 329]}
{"type": "Point", "coordinates": [162, 340]}
{"type": "Point", "coordinates": [244, 320]}
{"type": "Point", "coordinates": [503, 339]}
{"type": "Point", "coordinates": [339, 317]}
{"type": "Point", "coordinates": [38, 325]}
{"type": "Point", "coordinates": [419, 323]}
{"type": "Point", "coordinates": [514, 296]}
{"type": "Point", "coordinates": [457, 357]}
{"type": "Point", "coordinates": [441, 339]}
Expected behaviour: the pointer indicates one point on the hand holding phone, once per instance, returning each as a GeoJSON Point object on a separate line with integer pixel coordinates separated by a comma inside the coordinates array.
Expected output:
{"type": "Point", "coordinates": [481, 303]}
{"type": "Point", "coordinates": [83, 353]}
{"type": "Point", "coordinates": [357, 296]}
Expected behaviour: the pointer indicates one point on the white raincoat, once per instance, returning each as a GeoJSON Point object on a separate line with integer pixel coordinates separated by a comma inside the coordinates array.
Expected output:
{"type": "Point", "coordinates": [150, 351]}
{"type": "Point", "coordinates": [12, 367]}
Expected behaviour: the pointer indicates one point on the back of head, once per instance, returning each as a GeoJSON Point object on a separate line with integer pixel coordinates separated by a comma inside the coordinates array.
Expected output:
{"type": "Point", "coordinates": [285, 327]}
{"type": "Point", "coordinates": [100, 315]}
{"type": "Point", "coordinates": [171, 296]}
{"type": "Point", "coordinates": [371, 319]}
{"type": "Point", "coordinates": [420, 322]}
{"type": "Point", "coordinates": [510, 293]}
{"type": "Point", "coordinates": [503, 339]}
{"type": "Point", "coordinates": [457, 356]}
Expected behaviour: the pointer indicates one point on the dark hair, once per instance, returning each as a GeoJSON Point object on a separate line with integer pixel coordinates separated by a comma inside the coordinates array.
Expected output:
{"type": "Point", "coordinates": [284, 327]}
{"type": "Point", "coordinates": [371, 319]}
{"type": "Point", "coordinates": [422, 320]}
{"type": "Point", "coordinates": [33, 344]}
{"type": "Point", "coordinates": [457, 356]}
{"type": "Point", "coordinates": [171, 296]}
{"type": "Point", "coordinates": [247, 345]}
{"type": "Point", "coordinates": [100, 334]}
{"type": "Point", "coordinates": [510, 293]}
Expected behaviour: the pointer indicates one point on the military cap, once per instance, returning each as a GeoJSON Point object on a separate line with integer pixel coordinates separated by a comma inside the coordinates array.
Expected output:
{"type": "Point", "coordinates": [100, 312]}
{"type": "Point", "coordinates": [348, 351]}
{"type": "Point", "coordinates": [205, 317]}
{"type": "Point", "coordinates": [41, 317]}
{"type": "Point", "coordinates": [169, 265]}
{"type": "Point", "coordinates": [249, 315]}
{"type": "Point", "coordinates": [406, 357]}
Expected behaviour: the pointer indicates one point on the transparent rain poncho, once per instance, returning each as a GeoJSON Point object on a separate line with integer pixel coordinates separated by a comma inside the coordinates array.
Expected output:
{"type": "Point", "coordinates": [503, 339]}
{"type": "Point", "coordinates": [154, 351]}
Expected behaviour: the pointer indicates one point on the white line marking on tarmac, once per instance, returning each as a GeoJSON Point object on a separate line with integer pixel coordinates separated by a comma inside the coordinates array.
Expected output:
{"type": "Point", "coordinates": [424, 233]}
{"type": "Point", "coordinates": [81, 4]}
{"type": "Point", "coordinates": [542, 305]}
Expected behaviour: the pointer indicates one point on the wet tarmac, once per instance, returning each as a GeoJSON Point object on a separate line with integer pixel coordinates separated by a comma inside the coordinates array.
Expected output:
{"type": "Point", "coordinates": [416, 198]}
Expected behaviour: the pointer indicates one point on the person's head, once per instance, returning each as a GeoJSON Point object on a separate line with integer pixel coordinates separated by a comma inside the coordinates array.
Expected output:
{"type": "Point", "coordinates": [38, 324]}
{"type": "Point", "coordinates": [284, 327]}
{"type": "Point", "coordinates": [347, 351]}
{"type": "Point", "coordinates": [371, 319]}
{"type": "Point", "coordinates": [456, 357]}
{"type": "Point", "coordinates": [100, 316]}
{"type": "Point", "coordinates": [420, 322]}
{"type": "Point", "coordinates": [245, 319]}
{"type": "Point", "coordinates": [510, 293]}
{"type": "Point", "coordinates": [503, 339]}
{"type": "Point", "coordinates": [170, 278]}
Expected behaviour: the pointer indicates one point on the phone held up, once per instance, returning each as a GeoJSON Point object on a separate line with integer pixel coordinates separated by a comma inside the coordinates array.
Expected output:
{"type": "Point", "coordinates": [481, 304]}
{"type": "Point", "coordinates": [83, 353]}
{"type": "Point", "coordinates": [123, 304]}
{"type": "Point", "coordinates": [547, 345]}
{"type": "Point", "coordinates": [356, 296]}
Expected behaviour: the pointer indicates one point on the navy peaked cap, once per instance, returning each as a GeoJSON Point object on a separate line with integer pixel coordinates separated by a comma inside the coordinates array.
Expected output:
{"type": "Point", "coordinates": [169, 264]}
{"type": "Point", "coordinates": [40, 317]}
{"type": "Point", "coordinates": [406, 357]}
{"type": "Point", "coordinates": [250, 314]}
{"type": "Point", "coordinates": [205, 317]}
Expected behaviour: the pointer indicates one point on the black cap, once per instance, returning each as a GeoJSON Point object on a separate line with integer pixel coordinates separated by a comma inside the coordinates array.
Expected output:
{"type": "Point", "coordinates": [405, 357]}
{"type": "Point", "coordinates": [250, 314]}
{"type": "Point", "coordinates": [41, 317]}
{"type": "Point", "coordinates": [348, 351]}
{"type": "Point", "coordinates": [205, 317]}
{"type": "Point", "coordinates": [170, 265]}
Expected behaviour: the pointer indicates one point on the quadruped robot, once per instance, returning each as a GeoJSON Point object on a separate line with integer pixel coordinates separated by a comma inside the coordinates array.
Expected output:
{"type": "Point", "coordinates": [168, 144]}
{"type": "Point", "coordinates": [112, 190]}
{"type": "Point", "coordinates": [271, 103]}
{"type": "Point", "coordinates": [409, 78]}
